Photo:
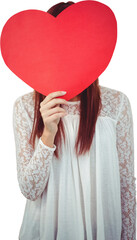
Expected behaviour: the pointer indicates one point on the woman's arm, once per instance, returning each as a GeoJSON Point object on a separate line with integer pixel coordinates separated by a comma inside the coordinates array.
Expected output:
{"type": "Point", "coordinates": [33, 166]}
{"type": "Point", "coordinates": [125, 147]}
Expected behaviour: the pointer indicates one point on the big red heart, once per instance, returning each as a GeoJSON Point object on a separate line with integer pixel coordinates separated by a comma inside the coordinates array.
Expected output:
{"type": "Point", "coordinates": [68, 52]}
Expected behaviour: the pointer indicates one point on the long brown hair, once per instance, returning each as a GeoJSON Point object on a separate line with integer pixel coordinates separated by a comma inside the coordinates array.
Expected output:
{"type": "Point", "coordinates": [90, 106]}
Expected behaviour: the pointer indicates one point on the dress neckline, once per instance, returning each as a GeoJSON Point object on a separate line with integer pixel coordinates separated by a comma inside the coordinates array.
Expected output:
{"type": "Point", "coordinates": [73, 102]}
{"type": "Point", "coordinates": [72, 108]}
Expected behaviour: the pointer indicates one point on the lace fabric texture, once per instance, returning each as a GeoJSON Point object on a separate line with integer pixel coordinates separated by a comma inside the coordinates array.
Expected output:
{"type": "Point", "coordinates": [33, 166]}
{"type": "Point", "coordinates": [125, 147]}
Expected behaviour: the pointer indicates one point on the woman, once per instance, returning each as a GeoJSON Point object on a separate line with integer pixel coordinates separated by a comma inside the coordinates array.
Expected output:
{"type": "Point", "coordinates": [76, 195]}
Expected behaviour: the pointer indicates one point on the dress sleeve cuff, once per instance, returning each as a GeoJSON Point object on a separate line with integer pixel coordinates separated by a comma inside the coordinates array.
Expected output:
{"type": "Point", "coordinates": [47, 147]}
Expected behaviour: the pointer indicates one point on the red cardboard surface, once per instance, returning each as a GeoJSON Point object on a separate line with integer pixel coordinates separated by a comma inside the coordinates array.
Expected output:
{"type": "Point", "coordinates": [68, 52]}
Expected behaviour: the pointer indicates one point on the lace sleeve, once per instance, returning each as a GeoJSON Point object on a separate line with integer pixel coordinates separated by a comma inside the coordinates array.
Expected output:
{"type": "Point", "coordinates": [125, 148]}
{"type": "Point", "coordinates": [33, 166]}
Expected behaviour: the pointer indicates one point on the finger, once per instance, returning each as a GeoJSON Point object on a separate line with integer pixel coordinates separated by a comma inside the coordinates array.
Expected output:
{"type": "Point", "coordinates": [52, 95]}
{"type": "Point", "coordinates": [53, 111]}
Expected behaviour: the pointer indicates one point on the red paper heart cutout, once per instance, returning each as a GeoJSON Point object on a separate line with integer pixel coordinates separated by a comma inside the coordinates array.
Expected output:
{"type": "Point", "coordinates": [68, 52]}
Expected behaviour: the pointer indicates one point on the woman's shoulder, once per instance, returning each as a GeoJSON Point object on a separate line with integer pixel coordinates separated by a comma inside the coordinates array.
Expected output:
{"type": "Point", "coordinates": [26, 103]}
{"type": "Point", "coordinates": [112, 100]}
{"type": "Point", "coordinates": [26, 98]}
{"type": "Point", "coordinates": [114, 93]}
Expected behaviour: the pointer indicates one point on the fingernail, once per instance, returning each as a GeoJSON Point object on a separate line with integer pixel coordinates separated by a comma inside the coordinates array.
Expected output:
{"type": "Point", "coordinates": [63, 92]}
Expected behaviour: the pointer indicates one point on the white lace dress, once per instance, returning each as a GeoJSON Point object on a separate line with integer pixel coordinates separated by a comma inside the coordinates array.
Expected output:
{"type": "Point", "coordinates": [91, 197]}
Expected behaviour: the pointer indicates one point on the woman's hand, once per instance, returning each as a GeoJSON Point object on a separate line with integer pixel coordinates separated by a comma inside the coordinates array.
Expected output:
{"type": "Point", "coordinates": [51, 111]}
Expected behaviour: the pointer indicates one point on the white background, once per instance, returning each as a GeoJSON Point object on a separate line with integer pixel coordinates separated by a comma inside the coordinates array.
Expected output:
{"type": "Point", "coordinates": [120, 75]}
